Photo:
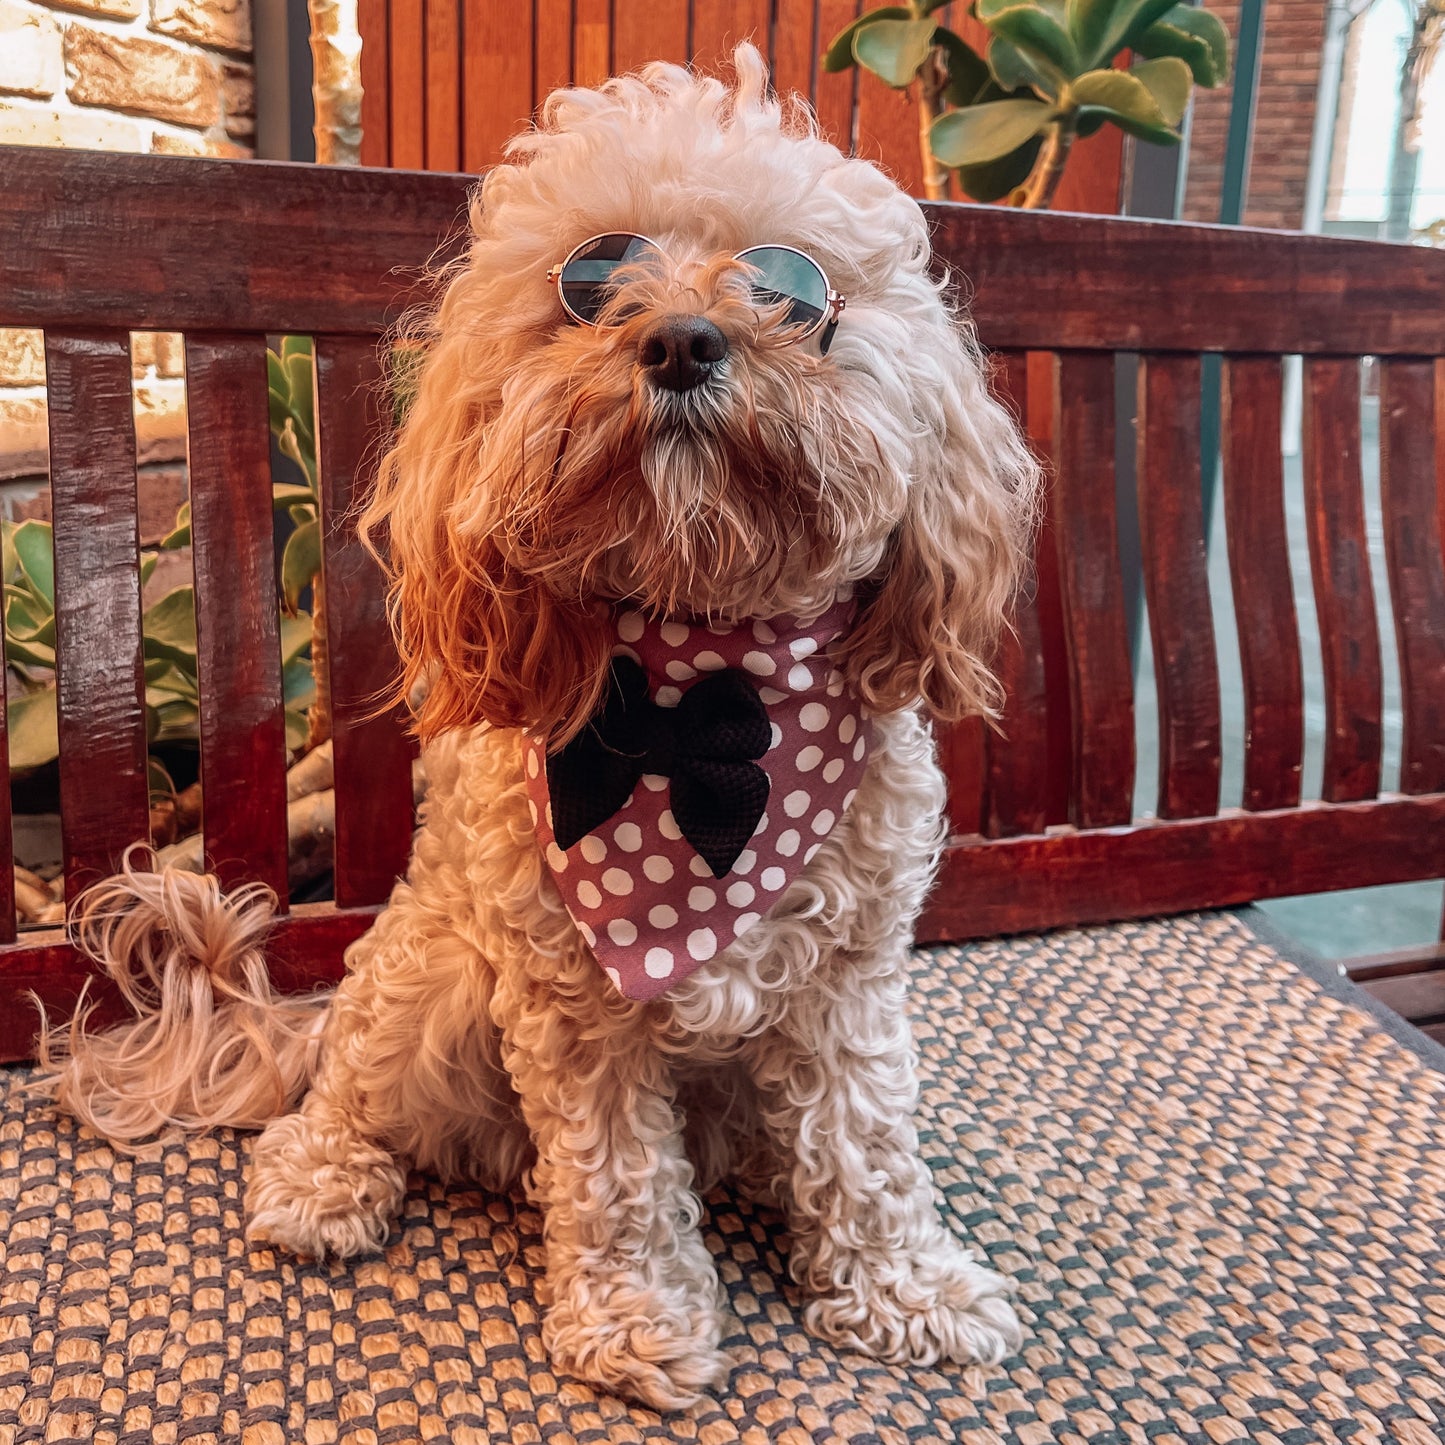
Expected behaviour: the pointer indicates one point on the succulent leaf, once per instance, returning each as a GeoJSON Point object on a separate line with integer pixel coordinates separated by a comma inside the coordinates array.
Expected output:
{"type": "Point", "coordinates": [983, 133]}
{"type": "Point", "coordinates": [295, 637]}
{"type": "Point", "coordinates": [1013, 70]}
{"type": "Point", "coordinates": [1037, 27]}
{"type": "Point", "coordinates": [1101, 28]}
{"type": "Point", "coordinates": [34, 549]}
{"type": "Point", "coordinates": [170, 628]}
{"type": "Point", "coordinates": [996, 179]}
{"type": "Point", "coordinates": [34, 737]}
{"type": "Point", "coordinates": [1196, 37]}
{"type": "Point", "coordinates": [300, 563]}
{"type": "Point", "coordinates": [968, 72]}
{"type": "Point", "coordinates": [839, 54]}
{"type": "Point", "coordinates": [894, 49]}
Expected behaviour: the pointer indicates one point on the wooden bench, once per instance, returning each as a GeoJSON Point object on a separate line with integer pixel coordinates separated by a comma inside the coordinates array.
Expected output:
{"type": "Point", "coordinates": [95, 246]}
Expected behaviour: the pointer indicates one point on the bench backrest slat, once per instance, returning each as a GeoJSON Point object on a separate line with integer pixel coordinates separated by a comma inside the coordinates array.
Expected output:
{"type": "Point", "coordinates": [1268, 628]}
{"type": "Point", "coordinates": [104, 793]}
{"type": "Point", "coordinates": [1101, 679]}
{"type": "Point", "coordinates": [243, 725]}
{"type": "Point", "coordinates": [1340, 566]}
{"type": "Point", "coordinates": [1176, 585]}
{"type": "Point", "coordinates": [371, 751]}
{"type": "Point", "coordinates": [89, 240]}
{"type": "Point", "coordinates": [1017, 796]}
{"type": "Point", "coordinates": [1409, 487]}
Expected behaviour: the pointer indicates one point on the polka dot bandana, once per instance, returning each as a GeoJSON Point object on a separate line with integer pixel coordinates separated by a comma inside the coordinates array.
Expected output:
{"type": "Point", "coordinates": [642, 897]}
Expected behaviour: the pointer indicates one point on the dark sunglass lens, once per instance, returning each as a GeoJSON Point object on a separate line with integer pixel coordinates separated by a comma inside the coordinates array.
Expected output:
{"type": "Point", "coordinates": [589, 274]}
{"type": "Point", "coordinates": [788, 277]}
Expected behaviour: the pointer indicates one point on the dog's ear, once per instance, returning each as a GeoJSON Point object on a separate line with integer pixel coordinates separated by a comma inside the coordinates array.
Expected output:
{"type": "Point", "coordinates": [930, 626]}
{"type": "Point", "coordinates": [479, 640]}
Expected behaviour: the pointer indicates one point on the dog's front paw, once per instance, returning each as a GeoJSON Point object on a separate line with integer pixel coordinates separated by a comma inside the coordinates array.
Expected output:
{"type": "Point", "coordinates": [320, 1190]}
{"type": "Point", "coordinates": [644, 1343]}
{"type": "Point", "coordinates": [920, 1309]}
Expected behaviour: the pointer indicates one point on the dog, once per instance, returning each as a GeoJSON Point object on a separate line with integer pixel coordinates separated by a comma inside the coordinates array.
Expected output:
{"type": "Point", "coordinates": [701, 510]}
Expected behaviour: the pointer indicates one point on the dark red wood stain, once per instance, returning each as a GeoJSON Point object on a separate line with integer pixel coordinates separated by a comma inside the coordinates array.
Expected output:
{"type": "Point", "coordinates": [100, 684]}
{"type": "Point", "coordinates": [371, 750]}
{"type": "Point", "coordinates": [1259, 572]}
{"type": "Point", "coordinates": [308, 248]}
{"type": "Point", "coordinates": [1340, 564]}
{"type": "Point", "coordinates": [243, 731]}
{"type": "Point", "coordinates": [304, 950]}
{"type": "Point", "coordinates": [1409, 487]}
{"type": "Point", "coordinates": [961, 756]}
{"type": "Point", "coordinates": [1176, 584]}
{"type": "Point", "coordinates": [1101, 682]}
{"type": "Point", "coordinates": [1070, 876]}
{"type": "Point", "coordinates": [1017, 782]}
{"type": "Point", "coordinates": [1042, 371]}
{"type": "Point", "coordinates": [1190, 288]}
{"type": "Point", "coordinates": [305, 241]}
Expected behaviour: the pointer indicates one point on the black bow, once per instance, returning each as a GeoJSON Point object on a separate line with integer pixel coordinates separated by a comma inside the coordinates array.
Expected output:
{"type": "Point", "coordinates": [707, 745]}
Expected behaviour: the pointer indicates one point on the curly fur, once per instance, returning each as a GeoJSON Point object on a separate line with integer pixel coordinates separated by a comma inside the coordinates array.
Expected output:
{"type": "Point", "coordinates": [537, 480]}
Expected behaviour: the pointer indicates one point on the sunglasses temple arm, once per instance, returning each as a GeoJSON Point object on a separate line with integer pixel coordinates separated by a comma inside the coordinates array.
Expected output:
{"type": "Point", "coordinates": [826, 340]}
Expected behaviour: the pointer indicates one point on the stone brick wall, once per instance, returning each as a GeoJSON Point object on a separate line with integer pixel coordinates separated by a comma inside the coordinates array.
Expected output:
{"type": "Point", "coordinates": [168, 76]}
{"type": "Point", "coordinates": [1284, 116]}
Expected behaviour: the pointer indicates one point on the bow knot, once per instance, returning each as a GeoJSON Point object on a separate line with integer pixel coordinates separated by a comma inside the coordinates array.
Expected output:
{"type": "Point", "coordinates": [707, 745]}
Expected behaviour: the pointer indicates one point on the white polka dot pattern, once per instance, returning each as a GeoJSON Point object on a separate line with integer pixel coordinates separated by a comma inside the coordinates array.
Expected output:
{"type": "Point", "coordinates": [646, 903]}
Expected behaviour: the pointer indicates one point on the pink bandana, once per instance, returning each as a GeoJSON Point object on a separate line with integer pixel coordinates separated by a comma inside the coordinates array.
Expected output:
{"type": "Point", "coordinates": [647, 904]}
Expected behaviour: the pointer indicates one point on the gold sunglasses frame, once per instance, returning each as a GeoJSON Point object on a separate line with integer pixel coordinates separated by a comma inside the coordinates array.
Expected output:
{"type": "Point", "coordinates": [827, 321]}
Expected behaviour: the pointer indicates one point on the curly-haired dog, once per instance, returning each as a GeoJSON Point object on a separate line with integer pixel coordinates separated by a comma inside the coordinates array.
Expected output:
{"type": "Point", "coordinates": [701, 506]}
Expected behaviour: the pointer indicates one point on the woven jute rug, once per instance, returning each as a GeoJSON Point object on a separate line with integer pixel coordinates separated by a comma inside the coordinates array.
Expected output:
{"type": "Point", "coordinates": [1221, 1190]}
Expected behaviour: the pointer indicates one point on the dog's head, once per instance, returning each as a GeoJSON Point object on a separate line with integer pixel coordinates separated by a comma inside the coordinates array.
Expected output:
{"type": "Point", "coordinates": [693, 451]}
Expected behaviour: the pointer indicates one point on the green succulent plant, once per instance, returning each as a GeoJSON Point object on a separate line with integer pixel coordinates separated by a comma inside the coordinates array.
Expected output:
{"type": "Point", "coordinates": [1004, 122]}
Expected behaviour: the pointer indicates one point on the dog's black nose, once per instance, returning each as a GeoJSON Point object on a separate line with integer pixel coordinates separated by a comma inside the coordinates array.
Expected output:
{"type": "Point", "coordinates": [679, 352]}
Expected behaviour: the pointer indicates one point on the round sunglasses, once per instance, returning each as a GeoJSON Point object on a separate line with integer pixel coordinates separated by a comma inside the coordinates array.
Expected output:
{"type": "Point", "coordinates": [781, 276]}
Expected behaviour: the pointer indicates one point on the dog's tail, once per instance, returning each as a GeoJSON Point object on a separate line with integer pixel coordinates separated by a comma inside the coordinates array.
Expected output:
{"type": "Point", "coordinates": [211, 1044]}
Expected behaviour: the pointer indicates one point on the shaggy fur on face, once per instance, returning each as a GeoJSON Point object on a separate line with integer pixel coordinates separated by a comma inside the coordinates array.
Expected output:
{"type": "Point", "coordinates": [539, 480]}
{"type": "Point", "coordinates": [541, 476]}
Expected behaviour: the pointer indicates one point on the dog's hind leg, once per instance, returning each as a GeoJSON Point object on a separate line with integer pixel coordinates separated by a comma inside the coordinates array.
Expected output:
{"type": "Point", "coordinates": [410, 1074]}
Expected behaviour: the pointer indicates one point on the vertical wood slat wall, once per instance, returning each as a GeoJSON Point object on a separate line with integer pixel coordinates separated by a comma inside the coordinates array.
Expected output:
{"type": "Point", "coordinates": [446, 82]}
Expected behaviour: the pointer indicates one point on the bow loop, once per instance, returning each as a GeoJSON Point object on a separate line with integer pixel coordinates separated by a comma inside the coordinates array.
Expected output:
{"type": "Point", "coordinates": [721, 716]}
{"type": "Point", "coordinates": [707, 745]}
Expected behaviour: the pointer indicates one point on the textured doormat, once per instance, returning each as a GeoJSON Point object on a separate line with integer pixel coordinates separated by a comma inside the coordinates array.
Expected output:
{"type": "Point", "coordinates": [1221, 1190]}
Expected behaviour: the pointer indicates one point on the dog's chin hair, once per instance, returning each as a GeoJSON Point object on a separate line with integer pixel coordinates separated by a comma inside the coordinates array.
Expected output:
{"type": "Point", "coordinates": [724, 504]}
